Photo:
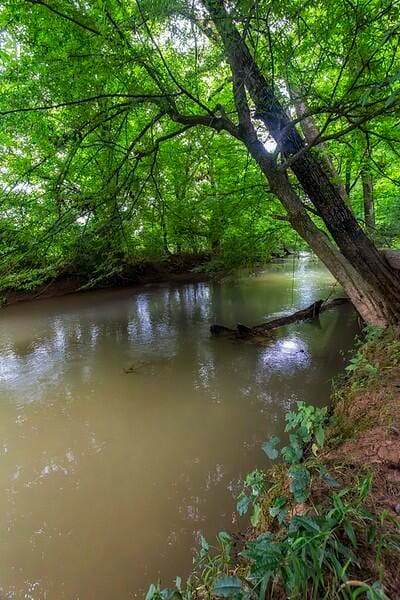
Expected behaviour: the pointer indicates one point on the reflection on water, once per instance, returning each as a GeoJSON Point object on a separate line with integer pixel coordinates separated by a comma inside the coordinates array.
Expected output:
{"type": "Point", "coordinates": [125, 429]}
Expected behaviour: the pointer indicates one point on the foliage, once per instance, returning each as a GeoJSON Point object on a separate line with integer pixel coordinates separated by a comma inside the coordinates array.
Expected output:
{"type": "Point", "coordinates": [307, 424]}
{"type": "Point", "coordinates": [314, 553]}
{"type": "Point", "coordinates": [96, 171]}
{"type": "Point", "coordinates": [314, 556]}
{"type": "Point", "coordinates": [254, 487]}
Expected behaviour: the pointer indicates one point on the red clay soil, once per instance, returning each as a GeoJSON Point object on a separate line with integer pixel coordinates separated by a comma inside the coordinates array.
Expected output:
{"type": "Point", "coordinates": [369, 406]}
{"type": "Point", "coordinates": [367, 416]}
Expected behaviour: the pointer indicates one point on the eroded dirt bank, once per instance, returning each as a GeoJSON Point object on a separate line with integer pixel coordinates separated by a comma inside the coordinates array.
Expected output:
{"type": "Point", "coordinates": [362, 443]}
{"type": "Point", "coordinates": [179, 269]}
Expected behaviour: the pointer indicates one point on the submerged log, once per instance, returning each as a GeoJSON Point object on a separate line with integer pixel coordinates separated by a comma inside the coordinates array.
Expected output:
{"type": "Point", "coordinates": [311, 312]}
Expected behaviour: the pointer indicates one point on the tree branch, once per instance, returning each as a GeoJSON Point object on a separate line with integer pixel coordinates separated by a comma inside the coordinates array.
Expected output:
{"type": "Point", "coordinates": [64, 16]}
{"type": "Point", "coordinates": [134, 98]}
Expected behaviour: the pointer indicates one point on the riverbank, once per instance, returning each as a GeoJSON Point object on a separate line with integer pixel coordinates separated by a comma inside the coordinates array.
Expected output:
{"type": "Point", "coordinates": [183, 268]}
{"type": "Point", "coordinates": [176, 268]}
{"type": "Point", "coordinates": [325, 520]}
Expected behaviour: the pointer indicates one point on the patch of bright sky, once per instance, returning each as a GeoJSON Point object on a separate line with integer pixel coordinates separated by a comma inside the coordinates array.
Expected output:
{"type": "Point", "coordinates": [182, 35]}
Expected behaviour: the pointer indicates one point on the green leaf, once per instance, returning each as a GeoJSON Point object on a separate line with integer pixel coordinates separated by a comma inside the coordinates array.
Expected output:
{"type": "Point", "coordinates": [224, 538]}
{"type": "Point", "coordinates": [269, 447]}
{"type": "Point", "coordinates": [178, 583]}
{"type": "Point", "coordinates": [264, 585]}
{"type": "Point", "coordinates": [243, 503]}
{"type": "Point", "coordinates": [377, 592]}
{"type": "Point", "coordinates": [151, 592]}
{"type": "Point", "coordinates": [308, 523]}
{"type": "Point", "coordinates": [294, 452]}
{"type": "Point", "coordinates": [371, 534]}
{"type": "Point", "coordinates": [204, 546]}
{"type": "Point", "coordinates": [278, 510]}
{"type": "Point", "coordinates": [327, 478]}
{"type": "Point", "coordinates": [320, 436]}
{"type": "Point", "coordinates": [227, 587]}
{"type": "Point", "coordinates": [349, 529]}
{"type": "Point", "coordinates": [299, 483]}
{"type": "Point", "coordinates": [255, 517]}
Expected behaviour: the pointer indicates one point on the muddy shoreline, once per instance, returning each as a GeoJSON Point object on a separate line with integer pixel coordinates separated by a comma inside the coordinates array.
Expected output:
{"type": "Point", "coordinates": [174, 270]}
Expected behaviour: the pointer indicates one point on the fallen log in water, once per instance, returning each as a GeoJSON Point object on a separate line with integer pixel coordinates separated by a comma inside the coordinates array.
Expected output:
{"type": "Point", "coordinates": [311, 312]}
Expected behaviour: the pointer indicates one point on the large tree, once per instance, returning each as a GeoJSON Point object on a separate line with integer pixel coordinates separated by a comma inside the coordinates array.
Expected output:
{"type": "Point", "coordinates": [154, 71]}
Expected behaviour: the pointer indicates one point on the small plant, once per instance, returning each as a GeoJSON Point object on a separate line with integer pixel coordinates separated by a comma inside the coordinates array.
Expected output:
{"type": "Point", "coordinates": [360, 363]}
{"type": "Point", "coordinates": [155, 592]}
{"type": "Point", "coordinates": [306, 426]}
{"type": "Point", "coordinates": [359, 366]}
{"type": "Point", "coordinates": [309, 421]}
{"type": "Point", "coordinates": [210, 563]}
{"type": "Point", "coordinates": [313, 557]}
{"type": "Point", "coordinates": [254, 487]}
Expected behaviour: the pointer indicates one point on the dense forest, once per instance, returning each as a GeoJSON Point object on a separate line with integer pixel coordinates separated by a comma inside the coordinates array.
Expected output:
{"type": "Point", "coordinates": [138, 130]}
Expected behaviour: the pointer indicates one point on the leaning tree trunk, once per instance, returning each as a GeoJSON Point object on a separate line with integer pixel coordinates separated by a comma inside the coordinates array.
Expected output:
{"type": "Point", "coordinates": [353, 243]}
{"type": "Point", "coordinates": [357, 288]}
{"type": "Point", "coordinates": [311, 133]}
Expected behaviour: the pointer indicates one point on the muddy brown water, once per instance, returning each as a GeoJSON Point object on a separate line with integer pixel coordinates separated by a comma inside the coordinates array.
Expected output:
{"type": "Point", "coordinates": [125, 429]}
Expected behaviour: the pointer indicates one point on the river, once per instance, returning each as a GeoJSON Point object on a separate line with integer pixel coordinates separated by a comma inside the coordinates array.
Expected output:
{"type": "Point", "coordinates": [125, 429]}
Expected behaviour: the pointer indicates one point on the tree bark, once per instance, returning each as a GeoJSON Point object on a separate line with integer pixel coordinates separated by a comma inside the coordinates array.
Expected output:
{"type": "Point", "coordinates": [358, 289]}
{"type": "Point", "coordinates": [311, 132]}
{"type": "Point", "coordinates": [368, 265]}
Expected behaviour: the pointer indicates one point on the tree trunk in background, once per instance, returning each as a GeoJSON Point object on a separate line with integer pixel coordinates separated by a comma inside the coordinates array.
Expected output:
{"type": "Point", "coordinates": [348, 179]}
{"type": "Point", "coordinates": [371, 268]}
{"type": "Point", "coordinates": [368, 197]}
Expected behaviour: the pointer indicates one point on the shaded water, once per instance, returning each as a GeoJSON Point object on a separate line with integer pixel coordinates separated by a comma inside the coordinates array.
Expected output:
{"type": "Point", "coordinates": [108, 476]}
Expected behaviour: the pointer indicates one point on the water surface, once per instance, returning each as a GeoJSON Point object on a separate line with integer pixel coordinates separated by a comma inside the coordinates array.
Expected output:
{"type": "Point", "coordinates": [125, 429]}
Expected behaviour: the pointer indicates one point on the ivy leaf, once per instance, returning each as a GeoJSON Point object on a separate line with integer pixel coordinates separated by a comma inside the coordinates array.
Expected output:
{"type": "Point", "coordinates": [243, 503]}
{"type": "Point", "coordinates": [269, 447]}
{"type": "Point", "coordinates": [299, 483]}
{"type": "Point", "coordinates": [278, 510]}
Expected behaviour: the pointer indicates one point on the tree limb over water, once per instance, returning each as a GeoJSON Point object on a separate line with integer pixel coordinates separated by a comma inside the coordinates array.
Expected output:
{"type": "Point", "coordinates": [264, 329]}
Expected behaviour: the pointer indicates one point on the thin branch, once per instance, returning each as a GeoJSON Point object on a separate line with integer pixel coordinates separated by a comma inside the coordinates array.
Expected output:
{"type": "Point", "coordinates": [133, 97]}
{"type": "Point", "coordinates": [64, 16]}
